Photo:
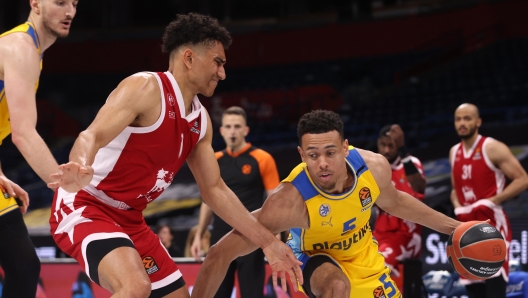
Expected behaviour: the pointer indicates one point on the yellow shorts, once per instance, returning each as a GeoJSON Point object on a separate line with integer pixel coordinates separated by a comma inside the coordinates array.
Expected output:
{"type": "Point", "coordinates": [7, 203]}
{"type": "Point", "coordinates": [368, 275]}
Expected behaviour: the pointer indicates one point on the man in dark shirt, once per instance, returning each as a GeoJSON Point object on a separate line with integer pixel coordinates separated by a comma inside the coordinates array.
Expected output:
{"type": "Point", "coordinates": [251, 173]}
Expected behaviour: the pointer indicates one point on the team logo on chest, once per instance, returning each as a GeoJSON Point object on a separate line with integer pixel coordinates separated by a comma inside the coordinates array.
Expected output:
{"type": "Point", "coordinates": [194, 128]}
{"type": "Point", "coordinates": [324, 210]}
{"type": "Point", "coordinates": [365, 197]}
{"type": "Point", "coordinates": [170, 99]}
{"type": "Point", "coordinates": [163, 180]}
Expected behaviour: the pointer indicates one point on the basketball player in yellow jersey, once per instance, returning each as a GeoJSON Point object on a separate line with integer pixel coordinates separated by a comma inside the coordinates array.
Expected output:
{"type": "Point", "coordinates": [326, 203]}
{"type": "Point", "coordinates": [21, 51]}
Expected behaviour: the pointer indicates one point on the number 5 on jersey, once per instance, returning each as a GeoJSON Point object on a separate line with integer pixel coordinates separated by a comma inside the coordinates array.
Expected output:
{"type": "Point", "coordinates": [348, 226]}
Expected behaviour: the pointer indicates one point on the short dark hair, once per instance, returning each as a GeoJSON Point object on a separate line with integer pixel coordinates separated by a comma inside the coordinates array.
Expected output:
{"type": "Point", "coordinates": [320, 121]}
{"type": "Point", "coordinates": [384, 131]}
{"type": "Point", "coordinates": [194, 29]}
{"type": "Point", "coordinates": [234, 110]}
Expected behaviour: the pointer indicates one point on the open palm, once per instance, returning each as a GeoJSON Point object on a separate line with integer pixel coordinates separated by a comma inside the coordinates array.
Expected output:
{"type": "Point", "coordinates": [72, 177]}
{"type": "Point", "coordinates": [282, 260]}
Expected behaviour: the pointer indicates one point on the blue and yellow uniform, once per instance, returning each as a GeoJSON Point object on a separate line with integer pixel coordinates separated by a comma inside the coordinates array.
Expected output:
{"type": "Point", "coordinates": [339, 229]}
{"type": "Point", "coordinates": [10, 204]}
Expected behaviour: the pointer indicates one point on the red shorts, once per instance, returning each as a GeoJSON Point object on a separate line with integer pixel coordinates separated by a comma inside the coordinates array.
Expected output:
{"type": "Point", "coordinates": [483, 210]}
{"type": "Point", "coordinates": [86, 228]}
{"type": "Point", "coordinates": [396, 247]}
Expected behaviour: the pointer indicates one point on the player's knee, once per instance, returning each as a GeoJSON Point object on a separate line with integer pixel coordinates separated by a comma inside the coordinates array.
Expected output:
{"type": "Point", "coordinates": [216, 254]}
{"type": "Point", "coordinates": [139, 288]}
{"type": "Point", "coordinates": [338, 288]}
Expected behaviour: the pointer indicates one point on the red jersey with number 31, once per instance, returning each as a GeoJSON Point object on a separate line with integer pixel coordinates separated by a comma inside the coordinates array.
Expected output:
{"type": "Point", "coordinates": [474, 174]}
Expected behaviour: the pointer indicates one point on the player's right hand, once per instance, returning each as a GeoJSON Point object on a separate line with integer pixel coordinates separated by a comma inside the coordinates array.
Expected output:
{"type": "Point", "coordinates": [282, 260]}
{"type": "Point", "coordinates": [196, 247]}
{"type": "Point", "coordinates": [15, 191]}
{"type": "Point", "coordinates": [72, 177]}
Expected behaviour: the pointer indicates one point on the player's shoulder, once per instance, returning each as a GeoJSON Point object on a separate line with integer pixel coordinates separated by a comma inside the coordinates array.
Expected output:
{"type": "Point", "coordinates": [415, 160]}
{"type": "Point", "coordinates": [260, 153]}
{"type": "Point", "coordinates": [377, 164]}
{"type": "Point", "coordinates": [372, 159]}
{"type": "Point", "coordinates": [286, 193]}
{"type": "Point", "coordinates": [18, 44]}
{"type": "Point", "coordinates": [494, 147]}
{"type": "Point", "coordinates": [141, 83]}
{"type": "Point", "coordinates": [141, 78]}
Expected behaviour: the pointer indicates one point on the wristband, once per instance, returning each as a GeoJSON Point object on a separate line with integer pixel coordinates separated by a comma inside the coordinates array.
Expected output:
{"type": "Point", "coordinates": [403, 152]}
{"type": "Point", "coordinates": [409, 167]}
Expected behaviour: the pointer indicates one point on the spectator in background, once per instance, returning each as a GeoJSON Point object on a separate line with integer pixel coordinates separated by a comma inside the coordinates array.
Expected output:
{"type": "Point", "coordinates": [166, 237]}
{"type": "Point", "coordinates": [204, 244]}
{"type": "Point", "coordinates": [21, 51]}
{"type": "Point", "coordinates": [252, 174]}
{"type": "Point", "coordinates": [399, 239]}
{"type": "Point", "coordinates": [479, 168]}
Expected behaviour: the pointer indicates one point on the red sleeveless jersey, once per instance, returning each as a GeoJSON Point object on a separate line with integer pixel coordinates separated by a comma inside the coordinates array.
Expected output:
{"type": "Point", "coordinates": [386, 223]}
{"type": "Point", "coordinates": [474, 175]}
{"type": "Point", "coordinates": [140, 163]}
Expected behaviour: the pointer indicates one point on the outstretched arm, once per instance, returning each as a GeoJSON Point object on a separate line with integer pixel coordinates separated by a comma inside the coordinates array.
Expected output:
{"type": "Point", "coordinates": [276, 214]}
{"type": "Point", "coordinates": [21, 73]}
{"type": "Point", "coordinates": [134, 102]}
{"type": "Point", "coordinates": [401, 204]}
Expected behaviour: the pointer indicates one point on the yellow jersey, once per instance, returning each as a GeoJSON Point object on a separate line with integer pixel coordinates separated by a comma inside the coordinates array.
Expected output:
{"type": "Point", "coordinates": [5, 126]}
{"type": "Point", "coordinates": [339, 228]}
{"type": "Point", "coordinates": [8, 203]}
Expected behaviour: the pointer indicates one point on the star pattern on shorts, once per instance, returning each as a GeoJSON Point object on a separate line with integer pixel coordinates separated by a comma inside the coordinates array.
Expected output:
{"type": "Point", "coordinates": [70, 220]}
{"type": "Point", "coordinates": [406, 254]}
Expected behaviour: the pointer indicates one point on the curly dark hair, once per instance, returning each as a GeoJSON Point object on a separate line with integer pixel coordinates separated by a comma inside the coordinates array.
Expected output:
{"type": "Point", "coordinates": [319, 121]}
{"type": "Point", "coordinates": [194, 29]}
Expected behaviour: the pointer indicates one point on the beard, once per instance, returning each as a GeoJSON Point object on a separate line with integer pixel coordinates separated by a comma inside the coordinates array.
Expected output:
{"type": "Point", "coordinates": [328, 188]}
{"type": "Point", "coordinates": [391, 159]}
{"type": "Point", "coordinates": [55, 33]}
{"type": "Point", "coordinates": [471, 132]}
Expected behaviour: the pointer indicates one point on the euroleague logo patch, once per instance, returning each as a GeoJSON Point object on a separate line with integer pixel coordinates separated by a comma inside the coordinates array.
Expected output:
{"type": "Point", "coordinates": [150, 265]}
{"type": "Point", "coordinates": [379, 293]}
{"type": "Point", "coordinates": [365, 197]}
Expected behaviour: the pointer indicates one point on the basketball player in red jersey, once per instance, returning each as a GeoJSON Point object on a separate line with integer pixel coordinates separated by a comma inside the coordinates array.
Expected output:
{"type": "Point", "coordinates": [149, 126]}
{"type": "Point", "coordinates": [399, 239]}
{"type": "Point", "coordinates": [480, 166]}
{"type": "Point", "coordinates": [21, 51]}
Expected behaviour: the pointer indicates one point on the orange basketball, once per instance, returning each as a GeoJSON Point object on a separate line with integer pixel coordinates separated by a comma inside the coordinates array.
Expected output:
{"type": "Point", "coordinates": [476, 250]}
{"type": "Point", "coordinates": [364, 193]}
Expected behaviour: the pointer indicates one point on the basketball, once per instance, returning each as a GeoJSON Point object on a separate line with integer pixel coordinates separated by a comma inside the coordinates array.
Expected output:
{"type": "Point", "coordinates": [476, 250]}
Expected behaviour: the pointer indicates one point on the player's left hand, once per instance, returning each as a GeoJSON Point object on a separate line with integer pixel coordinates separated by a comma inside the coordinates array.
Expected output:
{"type": "Point", "coordinates": [282, 260]}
